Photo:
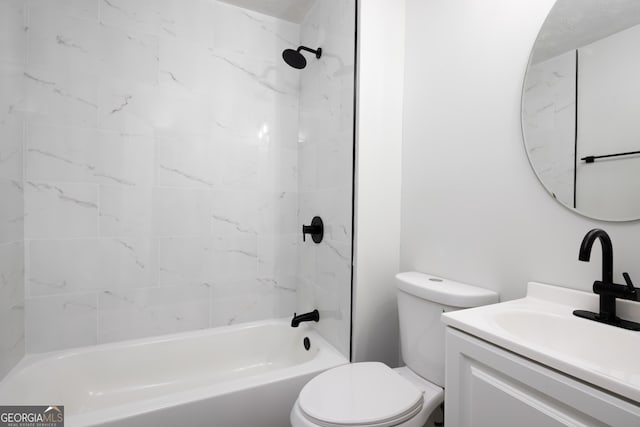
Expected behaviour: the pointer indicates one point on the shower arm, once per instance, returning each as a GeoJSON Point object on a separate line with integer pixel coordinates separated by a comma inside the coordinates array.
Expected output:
{"type": "Point", "coordinates": [316, 52]}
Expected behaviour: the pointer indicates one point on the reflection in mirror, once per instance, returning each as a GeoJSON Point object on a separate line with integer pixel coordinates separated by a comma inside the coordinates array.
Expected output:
{"type": "Point", "coordinates": [581, 107]}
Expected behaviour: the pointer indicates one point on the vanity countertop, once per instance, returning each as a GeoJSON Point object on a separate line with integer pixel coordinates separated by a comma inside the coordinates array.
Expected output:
{"type": "Point", "coordinates": [542, 327]}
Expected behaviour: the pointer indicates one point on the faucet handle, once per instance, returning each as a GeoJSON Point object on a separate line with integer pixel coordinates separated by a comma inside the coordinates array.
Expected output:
{"type": "Point", "coordinates": [627, 279]}
{"type": "Point", "coordinates": [316, 230]}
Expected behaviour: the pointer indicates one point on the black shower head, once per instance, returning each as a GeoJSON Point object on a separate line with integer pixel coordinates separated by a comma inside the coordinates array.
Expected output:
{"type": "Point", "coordinates": [296, 60]}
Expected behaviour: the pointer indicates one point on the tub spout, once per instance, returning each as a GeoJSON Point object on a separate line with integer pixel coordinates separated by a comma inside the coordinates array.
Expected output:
{"type": "Point", "coordinates": [306, 317]}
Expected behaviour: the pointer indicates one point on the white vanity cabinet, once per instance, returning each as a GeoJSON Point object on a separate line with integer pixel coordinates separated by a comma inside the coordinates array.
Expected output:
{"type": "Point", "coordinates": [487, 386]}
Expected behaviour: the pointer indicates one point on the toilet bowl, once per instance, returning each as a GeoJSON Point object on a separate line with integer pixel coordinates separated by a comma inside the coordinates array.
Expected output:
{"type": "Point", "coordinates": [366, 394]}
{"type": "Point", "coordinates": [371, 394]}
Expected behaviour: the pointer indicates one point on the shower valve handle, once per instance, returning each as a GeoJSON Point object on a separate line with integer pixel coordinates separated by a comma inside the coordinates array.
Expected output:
{"type": "Point", "coordinates": [316, 230]}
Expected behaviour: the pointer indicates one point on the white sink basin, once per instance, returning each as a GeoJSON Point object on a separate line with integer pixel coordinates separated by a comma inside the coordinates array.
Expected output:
{"type": "Point", "coordinates": [542, 327]}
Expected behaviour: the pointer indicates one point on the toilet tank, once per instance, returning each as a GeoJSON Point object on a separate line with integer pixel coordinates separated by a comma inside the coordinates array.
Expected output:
{"type": "Point", "coordinates": [422, 299]}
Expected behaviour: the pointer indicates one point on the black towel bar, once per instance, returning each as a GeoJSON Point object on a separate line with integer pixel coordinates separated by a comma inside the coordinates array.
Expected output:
{"type": "Point", "coordinates": [591, 159]}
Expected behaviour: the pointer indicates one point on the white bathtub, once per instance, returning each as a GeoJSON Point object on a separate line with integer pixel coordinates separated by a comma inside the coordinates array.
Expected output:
{"type": "Point", "coordinates": [244, 375]}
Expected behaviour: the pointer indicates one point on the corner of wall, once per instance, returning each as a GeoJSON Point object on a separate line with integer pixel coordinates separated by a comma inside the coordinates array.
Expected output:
{"type": "Point", "coordinates": [381, 38]}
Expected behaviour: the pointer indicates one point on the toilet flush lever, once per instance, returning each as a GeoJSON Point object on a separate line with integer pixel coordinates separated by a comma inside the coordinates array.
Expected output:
{"type": "Point", "coordinates": [316, 230]}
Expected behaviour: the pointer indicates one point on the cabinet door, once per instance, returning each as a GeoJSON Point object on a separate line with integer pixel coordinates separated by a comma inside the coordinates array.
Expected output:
{"type": "Point", "coordinates": [488, 386]}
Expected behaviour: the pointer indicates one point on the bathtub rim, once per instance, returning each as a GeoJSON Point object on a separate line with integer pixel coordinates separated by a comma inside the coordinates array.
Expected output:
{"type": "Point", "coordinates": [31, 359]}
{"type": "Point", "coordinates": [327, 357]}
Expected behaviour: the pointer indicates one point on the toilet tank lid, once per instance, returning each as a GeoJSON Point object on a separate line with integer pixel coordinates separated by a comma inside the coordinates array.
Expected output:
{"type": "Point", "coordinates": [444, 291]}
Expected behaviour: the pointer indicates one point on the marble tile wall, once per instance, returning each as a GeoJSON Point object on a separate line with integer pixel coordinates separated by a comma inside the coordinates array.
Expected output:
{"type": "Point", "coordinates": [160, 169]}
{"type": "Point", "coordinates": [548, 117]}
{"type": "Point", "coordinates": [325, 162]}
{"type": "Point", "coordinates": [12, 60]}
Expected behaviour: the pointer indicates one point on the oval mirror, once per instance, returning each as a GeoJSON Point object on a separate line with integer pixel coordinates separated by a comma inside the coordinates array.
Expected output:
{"type": "Point", "coordinates": [581, 107]}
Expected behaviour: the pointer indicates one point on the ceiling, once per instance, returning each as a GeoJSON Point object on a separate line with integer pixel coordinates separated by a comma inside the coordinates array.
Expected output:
{"type": "Point", "coordinates": [575, 23]}
{"type": "Point", "coordinates": [289, 10]}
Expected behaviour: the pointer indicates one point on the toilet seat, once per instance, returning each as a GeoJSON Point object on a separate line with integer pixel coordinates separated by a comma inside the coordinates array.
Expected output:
{"type": "Point", "coordinates": [368, 394]}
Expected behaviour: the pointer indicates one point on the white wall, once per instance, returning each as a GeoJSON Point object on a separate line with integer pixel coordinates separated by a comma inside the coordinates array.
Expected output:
{"type": "Point", "coordinates": [377, 213]}
{"type": "Point", "coordinates": [472, 208]}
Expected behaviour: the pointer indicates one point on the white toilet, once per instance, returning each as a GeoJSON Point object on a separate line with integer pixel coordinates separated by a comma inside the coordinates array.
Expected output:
{"type": "Point", "coordinates": [370, 394]}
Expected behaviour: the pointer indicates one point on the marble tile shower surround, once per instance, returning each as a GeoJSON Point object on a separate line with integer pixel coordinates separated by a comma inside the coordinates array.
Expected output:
{"type": "Point", "coordinates": [160, 169]}
{"type": "Point", "coordinates": [12, 60]}
{"type": "Point", "coordinates": [325, 164]}
{"type": "Point", "coordinates": [548, 116]}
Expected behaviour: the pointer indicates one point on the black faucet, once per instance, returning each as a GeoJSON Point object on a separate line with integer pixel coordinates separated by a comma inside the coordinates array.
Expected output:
{"type": "Point", "coordinates": [313, 316]}
{"type": "Point", "coordinates": [607, 290]}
